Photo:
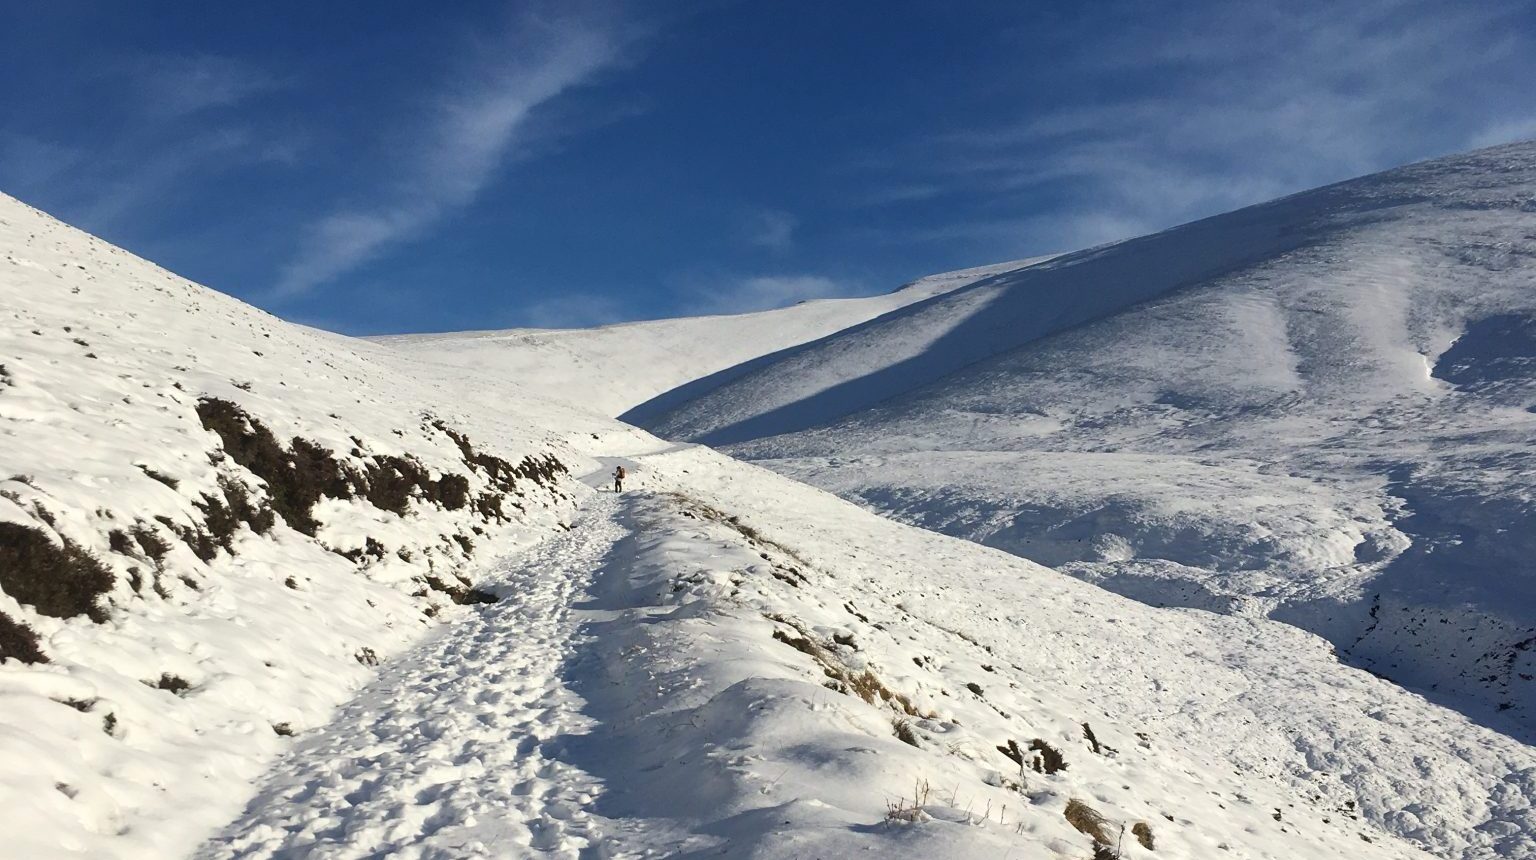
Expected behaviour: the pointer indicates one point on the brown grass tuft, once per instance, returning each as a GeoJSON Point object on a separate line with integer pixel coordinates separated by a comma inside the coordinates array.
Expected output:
{"type": "Point", "coordinates": [1143, 833]}
{"type": "Point", "coordinates": [1087, 820]}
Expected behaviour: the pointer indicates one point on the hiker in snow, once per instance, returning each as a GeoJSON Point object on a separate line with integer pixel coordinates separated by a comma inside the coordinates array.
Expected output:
{"type": "Point", "coordinates": [618, 479]}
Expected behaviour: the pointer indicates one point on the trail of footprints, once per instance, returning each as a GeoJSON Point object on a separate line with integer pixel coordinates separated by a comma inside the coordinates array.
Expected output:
{"type": "Point", "coordinates": [443, 755]}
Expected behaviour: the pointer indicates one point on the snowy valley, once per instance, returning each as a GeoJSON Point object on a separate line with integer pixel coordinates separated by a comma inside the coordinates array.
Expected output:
{"type": "Point", "coordinates": [1214, 543]}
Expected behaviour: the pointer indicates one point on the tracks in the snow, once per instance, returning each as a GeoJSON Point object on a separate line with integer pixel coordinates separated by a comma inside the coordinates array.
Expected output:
{"type": "Point", "coordinates": [446, 753]}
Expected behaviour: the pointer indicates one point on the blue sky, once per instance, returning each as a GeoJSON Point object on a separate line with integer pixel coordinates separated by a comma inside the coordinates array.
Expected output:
{"type": "Point", "coordinates": [377, 167]}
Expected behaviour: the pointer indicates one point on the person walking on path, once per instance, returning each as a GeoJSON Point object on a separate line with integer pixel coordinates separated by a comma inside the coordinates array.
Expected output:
{"type": "Point", "coordinates": [618, 479]}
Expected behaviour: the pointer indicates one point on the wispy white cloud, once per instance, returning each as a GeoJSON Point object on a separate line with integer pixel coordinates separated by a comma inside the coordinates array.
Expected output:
{"type": "Point", "coordinates": [772, 229]}
{"type": "Point", "coordinates": [1254, 102]}
{"type": "Point", "coordinates": [112, 188]}
{"type": "Point", "coordinates": [732, 295]}
{"type": "Point", "coordinates": [472, 129]}
{"type": "Point", "coordinates": [179, 85]}
{"type": "Point", "coordinates": [163, 139]}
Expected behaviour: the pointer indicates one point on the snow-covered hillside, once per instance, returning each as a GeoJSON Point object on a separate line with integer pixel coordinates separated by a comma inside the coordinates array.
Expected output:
{"type": "Point", "coordinates": [270, 592]}
{"type": "Point", "coordinates": [1318, 409]}
{"type": "Point", "coordinates": [622, 368]}
{"type": "Point", "coordinates": [213, 526]}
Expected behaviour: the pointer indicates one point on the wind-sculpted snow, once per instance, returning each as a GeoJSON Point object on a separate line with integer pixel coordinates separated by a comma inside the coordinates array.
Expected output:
{"type": "Point", "coordinates": [1320, 409]}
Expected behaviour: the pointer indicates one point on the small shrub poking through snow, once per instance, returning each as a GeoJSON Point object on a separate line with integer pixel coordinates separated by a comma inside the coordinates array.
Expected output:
{"type": "Point", "coordinates": [900, 811]}
{"type": "Point", "coordinates": [864, 684]}
{"type": "Point", "coordinates": [164, 479]}
{"type": "Point", "coordinates": [19, 642]}
{"type": "Point", "coordinates": [1143, 833]}
{"type": "Point", "coordinates": [170, 683]}
{"type": "Point", "coordinates": [1087, 820]}
{"type": "Point", "coordinates": [1049, 759]}
{"type": "Point", "coordinates": [59, 579]}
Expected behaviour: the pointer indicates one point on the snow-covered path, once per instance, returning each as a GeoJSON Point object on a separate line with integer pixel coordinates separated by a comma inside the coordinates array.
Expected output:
{"type": "Point", "coordinates": [444, 754]}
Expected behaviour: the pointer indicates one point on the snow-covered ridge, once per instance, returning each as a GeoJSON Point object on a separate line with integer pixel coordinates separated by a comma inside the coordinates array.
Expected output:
{"type": "Point", "coordinates": [660, 355]}
{"type": "Point", "coordinates": [213, 524]}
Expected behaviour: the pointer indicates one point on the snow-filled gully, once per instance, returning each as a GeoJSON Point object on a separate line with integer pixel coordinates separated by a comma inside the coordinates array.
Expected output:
{"type": "Point", "coordinates": [447, 751]}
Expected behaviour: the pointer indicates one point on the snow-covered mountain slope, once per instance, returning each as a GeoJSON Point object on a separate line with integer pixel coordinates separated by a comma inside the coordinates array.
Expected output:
{"type": "Point", "coordinates": [618, 368]}
{"type": "Point", "coordinates": [1320, 409]}
{"type": "Point", "coordinates": [723, 662]}
{"type": "Point", "coordinates": [213, 525]}
{"type": "Point", "coordinates": [220, 523]}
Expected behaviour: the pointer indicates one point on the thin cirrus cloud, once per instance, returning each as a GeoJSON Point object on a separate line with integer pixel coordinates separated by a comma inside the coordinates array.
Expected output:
{"type": "Point", "coordinates": [772, 229]}
{"type": "Point", "coordinates": [1247, 106]}
{"type": "Point", "coordinates": [168, 132]}
{"type": "Point", "coordinates": [471, 131]}
{"type": "Point", "coordinates": [762, 292]}
{"type": "Point", "coordinates": [175, 85]}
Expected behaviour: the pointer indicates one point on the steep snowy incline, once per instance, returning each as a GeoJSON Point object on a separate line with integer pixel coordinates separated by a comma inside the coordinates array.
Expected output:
{"type": "Point", "coordinates": [213, 526]}
{"type": "Point", "coordinates": [1333, 428]}
{"type": "Point", "coordinates": [1465, 210]}
{"type": "Point", "coordinates": [615, 368]}
{"type": "Point", "coordinates": [726, 663]}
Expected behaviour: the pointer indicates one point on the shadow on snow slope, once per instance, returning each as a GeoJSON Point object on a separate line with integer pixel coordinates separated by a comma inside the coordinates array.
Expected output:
{"type": "Point", "coordinates": [918, 345]}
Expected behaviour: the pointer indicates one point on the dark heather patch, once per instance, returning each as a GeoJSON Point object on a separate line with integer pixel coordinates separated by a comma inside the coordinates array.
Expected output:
{"type": "Point", "coordinates": [170, 683]}
{"type": "Point", "coordinates": [1050, 759]}
{"type": "Point", "coordinates": [58, 579]}
{"type": "Point", "coordinates": [150, 543]}
{"type": "Point", "coordinates": [299, 475]}
{"type": "Point", "coordinates": [164, 479]}
{"type": "Point", "coordinates": [19, 642]}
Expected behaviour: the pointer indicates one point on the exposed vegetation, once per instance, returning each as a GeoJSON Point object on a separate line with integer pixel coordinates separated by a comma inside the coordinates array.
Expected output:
{"type": "Point", "coordinates": [170, 683]}
{"type": "Point", "coordinates": [301, 474]}
{"type": "Point", "coordinates": [900, 811]}
{"type": "Point", "coordinates": [1049, 760]}
{"type": "Point", "coordinates": [150, 543]}
{"type": "Point", "coordinates": [864, 684]}
{"type": "Point", "coordinates": [162, 478]}
{"type": "Point", "coordinates": [57, 578]}
{"type": "Point", "coordinates": [1087, 820]}
{"type": "Point", "coordinates": [1143, 833]}
{"type": "Point", "coordinates": [19, 642]}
